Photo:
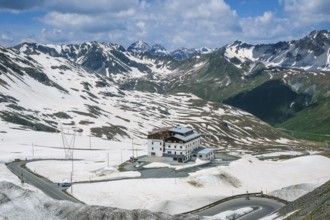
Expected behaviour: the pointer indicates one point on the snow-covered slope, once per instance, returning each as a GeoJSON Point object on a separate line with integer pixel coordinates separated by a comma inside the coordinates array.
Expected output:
{"type": "Point", "coordinates": [208, 185]}
{"type": "Point", "coordinates": [19, 203]}
{"type": "Point", "coordinates": [309, 53]}
{"type": "Point", "coordinates": [41, 92]}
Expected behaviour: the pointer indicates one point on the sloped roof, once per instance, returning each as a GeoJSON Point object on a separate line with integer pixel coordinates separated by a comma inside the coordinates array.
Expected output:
{"type": "Point", "coordinates": [206, 151]}
{"type": "Point", "coordinates": [187, 138]}
{"type": "Point", "coordinates": [180, 129]}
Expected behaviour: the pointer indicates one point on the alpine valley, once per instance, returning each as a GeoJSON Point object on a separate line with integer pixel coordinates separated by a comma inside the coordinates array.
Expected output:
{"type": "Point", "coordinates": [250, 101]}
{"type": "Point", "coordinates": [284, 84]}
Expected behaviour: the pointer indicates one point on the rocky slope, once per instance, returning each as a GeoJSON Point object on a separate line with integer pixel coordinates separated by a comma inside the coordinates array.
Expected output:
{"type": "Point", "coordinates": [314, 205]}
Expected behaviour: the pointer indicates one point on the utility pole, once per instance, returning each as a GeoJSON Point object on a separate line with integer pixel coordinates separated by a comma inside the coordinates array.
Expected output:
{"type": "Point", "coordinates": [90, 142]}
{"type": "Point", "coordinates": [108, 159]}
{"type": "Point", "coordinates": [71, 183]}
{"type": "Point", "coordinates": [71, 174]}
{"type": "Point", "coordinates": [32, 149]}
{"type": "Point", "coordinates": [132, 148]}
{"type": "Point", "coordinates": [175, 177]}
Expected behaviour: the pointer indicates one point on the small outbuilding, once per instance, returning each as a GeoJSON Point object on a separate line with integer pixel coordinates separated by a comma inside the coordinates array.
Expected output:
{"type": "Point", "coordinates": [206, 154]}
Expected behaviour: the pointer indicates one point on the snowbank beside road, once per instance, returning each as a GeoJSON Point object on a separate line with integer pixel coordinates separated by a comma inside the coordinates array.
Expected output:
{"type": "Point", "coordinates": [174, 195]}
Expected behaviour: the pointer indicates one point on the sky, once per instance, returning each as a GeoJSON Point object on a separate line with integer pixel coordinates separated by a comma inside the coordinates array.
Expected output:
{"type": "Point", "coordinates": [171, 23]}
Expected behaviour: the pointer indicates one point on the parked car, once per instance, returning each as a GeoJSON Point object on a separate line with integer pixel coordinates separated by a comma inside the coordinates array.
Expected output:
{"type": "Point", "coordinates": [64, 184]}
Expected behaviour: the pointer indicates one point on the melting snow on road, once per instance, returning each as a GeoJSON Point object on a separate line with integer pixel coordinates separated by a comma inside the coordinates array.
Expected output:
{"type": "Point", "coordinates": [230, 214]}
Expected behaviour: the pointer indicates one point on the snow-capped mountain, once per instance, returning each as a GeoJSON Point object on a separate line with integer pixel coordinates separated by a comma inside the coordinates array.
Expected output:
{"type": "Point", "coordinates": [309, 53]}
{"type": "Point", "coordinates": [158, 50]}
{"type": "Point", "coordinates": [205, 50]}
{"type": "Point", "coordinates": [39, 92]}
{"type": "Point", "coordinates": [138, 61]}
{"type": "Point", "coordinates": [216, 75]}
{"type": "Point", "coordinates": [104, 58]}
{"type": "Point", "coordinates": [184, 53]}
{"type": "Point", "coordinates": [139, 47]}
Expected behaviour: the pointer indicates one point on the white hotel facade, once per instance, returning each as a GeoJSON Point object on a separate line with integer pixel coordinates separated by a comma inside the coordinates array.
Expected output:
{"type": "Point", "coordinates": [180, 143]}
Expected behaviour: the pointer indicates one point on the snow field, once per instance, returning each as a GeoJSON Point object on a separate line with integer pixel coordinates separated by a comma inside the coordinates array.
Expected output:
{"type": "Point", "coordinates": [171, 195]}
{"type": "Point", "coordinates": [175, 195]}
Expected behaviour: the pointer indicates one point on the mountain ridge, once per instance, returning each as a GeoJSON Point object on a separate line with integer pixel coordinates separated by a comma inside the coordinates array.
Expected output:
{"type": "Point", "coordinates": [309, 53]}
{"type": "Point", "coordinates": [216, 75]}
{"type": "Point", "coordinates": [40, 92]}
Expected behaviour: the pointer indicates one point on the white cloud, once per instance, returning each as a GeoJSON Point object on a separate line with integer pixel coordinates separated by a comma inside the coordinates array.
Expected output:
{"type": "Point", "coordinates": [173, 23]}
{"type": "Point", "coordinates": [142, 26]}
{"type": "Point", "coordinates": [55, 35]}
{"type": "Point", "coordinates": [83, 22]}
{"type": "Point", "coordinates": [305, 12]}
{"type": "Point", "coordinates": [265, 27]}
{"type": "Point", "coordinates": [6, 38]}
{"type": "Point", "coordinates": [194, 22]}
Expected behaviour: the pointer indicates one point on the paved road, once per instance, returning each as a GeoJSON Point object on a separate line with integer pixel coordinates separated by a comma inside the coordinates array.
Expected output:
{"type": "Point", "coordinates": [266, 206]}
{"type": "Point", "coordinates": [48, 187]}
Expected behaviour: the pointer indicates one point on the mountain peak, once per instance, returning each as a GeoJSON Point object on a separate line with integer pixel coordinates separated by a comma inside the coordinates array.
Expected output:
{"type": "Point", "coordinates": [158, 50]}
{"type": "Point", "coordinates": [321, 33]}
{"type": "Point", "coordinates": [139, 47]}
{"type": "Point", "coordinates": [184, 53]}
{"type": "Point", "coordinates": [205, 50]}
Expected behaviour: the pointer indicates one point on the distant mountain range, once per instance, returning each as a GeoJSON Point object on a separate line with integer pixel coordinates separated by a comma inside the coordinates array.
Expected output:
{"type": "Point", "coordinates": [309, 53]}
{"type": "Point", "coordinates": [44, 87]}
{"type": "Point", "coordinates": [285, 84]}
